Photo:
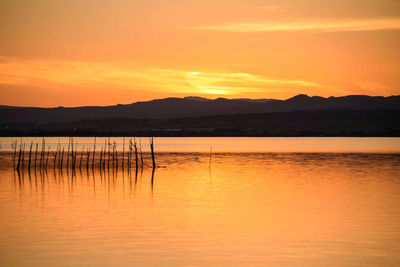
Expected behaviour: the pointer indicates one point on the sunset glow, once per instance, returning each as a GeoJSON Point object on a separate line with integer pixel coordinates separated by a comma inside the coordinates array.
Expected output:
{"type": "Point", "coordinates": [310, 26]}
{"type": "Point", "coordinates": [199, 133]}
{"type": "Point", "coordinates": [109, 52]}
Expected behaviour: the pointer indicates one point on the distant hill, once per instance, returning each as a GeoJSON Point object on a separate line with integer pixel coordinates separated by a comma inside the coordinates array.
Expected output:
{"type": "Point", "coordinates": [170, 108]}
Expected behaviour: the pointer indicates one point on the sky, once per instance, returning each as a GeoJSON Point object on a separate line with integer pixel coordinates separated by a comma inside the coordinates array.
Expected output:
{"type": "Point", "coordinates": [98, 52]}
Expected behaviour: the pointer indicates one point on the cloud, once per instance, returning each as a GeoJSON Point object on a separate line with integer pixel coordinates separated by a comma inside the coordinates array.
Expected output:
{"type": "Point", "coordinates": [308, 26]}
{"type": "Point", "coordinates": [231, 82]}
{"type": "Point", "coordinates": [127, 76]}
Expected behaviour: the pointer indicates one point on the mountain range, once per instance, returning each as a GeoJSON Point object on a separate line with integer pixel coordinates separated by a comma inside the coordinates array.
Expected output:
{"type": "Point", "coordinates": [170, 108]}
{"type": "Point", "coordinates": [354, 115]}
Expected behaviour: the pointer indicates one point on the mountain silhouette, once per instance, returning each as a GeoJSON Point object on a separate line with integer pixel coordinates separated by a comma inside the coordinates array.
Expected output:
{"type": "Point", "coordinates": [171, 108]}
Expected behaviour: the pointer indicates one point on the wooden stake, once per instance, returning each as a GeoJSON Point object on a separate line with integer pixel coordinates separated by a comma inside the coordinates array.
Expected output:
{"type": "Point", "coordinates": [30, 155]}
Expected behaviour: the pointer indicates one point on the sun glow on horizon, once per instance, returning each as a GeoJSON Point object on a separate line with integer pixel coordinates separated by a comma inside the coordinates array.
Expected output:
{"type": "Point", "coordinates": [102, 52]}
{"type": "Point", "coordinates": [125, 76]}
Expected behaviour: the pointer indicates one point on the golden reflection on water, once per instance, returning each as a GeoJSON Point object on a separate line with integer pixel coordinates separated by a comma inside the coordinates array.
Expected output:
{"type": "Point", "coordinates": [230, 144]}
{"type": "Point", "coordinates": [247, 209]}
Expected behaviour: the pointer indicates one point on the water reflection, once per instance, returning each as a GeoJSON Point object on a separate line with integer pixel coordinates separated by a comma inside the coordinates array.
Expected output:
{"type": "Point", "coordinates": [108, 179]}
{"type": "Point", "coordinates": [276, 209]}
{"type": "Point", "coordinates": [224, 144]}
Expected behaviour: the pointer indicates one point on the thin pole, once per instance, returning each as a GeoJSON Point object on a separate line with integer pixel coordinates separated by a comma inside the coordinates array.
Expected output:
{"type": "Point", "coordinates": [136, 152]}
{"type": "Point", "coordinates": [94, 151]}
{"type": "Point", "coordinates": [37, 145]}
{"type": "Point", "coordinates": [101, 157]}
{"type": "Point", "coordinates": [15, 153]}
{"type": "Point", "coordinates": [80, 162]}
{"type": "Point", "coordinates": [62, 158]}
{"type": "Point", "coordinates": [19, 157]}
{"type": "Point", "coordinates": [47, 157]}
{"type": "Point", "coordinates": [30, 155]}
{"type": "Point", "coordinates": [23, 155]}
{"type": "Point", "coordinates": [123, 152]}
{"type": "Point", "coordinates": [69, 143]}
{"type": "Point", "coordinates": [152, 151]}
{"type": "Point", "coordinates": [55, 159]}
{"type": "Point", "coordinates": [141, 153]}
{"type": "Point", "coordinates": [41, 154]}
{"type": "Point", "coordinates": [116, 155]}
{"type": "Point", "coordinates": [88, 158]}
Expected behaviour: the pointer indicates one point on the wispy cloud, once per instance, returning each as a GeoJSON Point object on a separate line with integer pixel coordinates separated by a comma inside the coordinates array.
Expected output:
{"type": "Point", "coordinates": [230, 83]}
{"type": "Point", "coordinates": [126, 76]}
{"type": "Point", "coordinates": [338, 25]}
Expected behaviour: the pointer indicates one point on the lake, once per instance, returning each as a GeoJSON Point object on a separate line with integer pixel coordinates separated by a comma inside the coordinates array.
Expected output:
{"type": "Point", "coordinates": [254, 201]}
{"type": "Point", "coordinates": [231, 144]}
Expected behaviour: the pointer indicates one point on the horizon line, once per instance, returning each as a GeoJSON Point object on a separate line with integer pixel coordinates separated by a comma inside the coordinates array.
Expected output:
{"type": "Point", "coordinates": [193, 96]}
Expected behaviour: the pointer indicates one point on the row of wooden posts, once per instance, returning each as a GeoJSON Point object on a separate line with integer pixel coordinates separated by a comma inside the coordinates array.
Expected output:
{"type": "Point", "coordinates": [72, 158]}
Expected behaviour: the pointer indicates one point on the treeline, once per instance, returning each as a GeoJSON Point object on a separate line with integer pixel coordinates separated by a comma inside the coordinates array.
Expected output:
{"type": "Point", "coordinates": [330, 122]}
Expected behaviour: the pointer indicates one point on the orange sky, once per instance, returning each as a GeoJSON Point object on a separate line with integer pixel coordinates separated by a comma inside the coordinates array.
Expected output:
{"type": "Point", "coordinates": [98, 52]}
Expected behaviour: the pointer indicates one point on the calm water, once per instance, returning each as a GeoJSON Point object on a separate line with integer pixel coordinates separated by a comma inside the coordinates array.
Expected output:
{"type": "Point", "coordinates": [253, 208]}
{"type": "Point", "coordinates": [231, 144]}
